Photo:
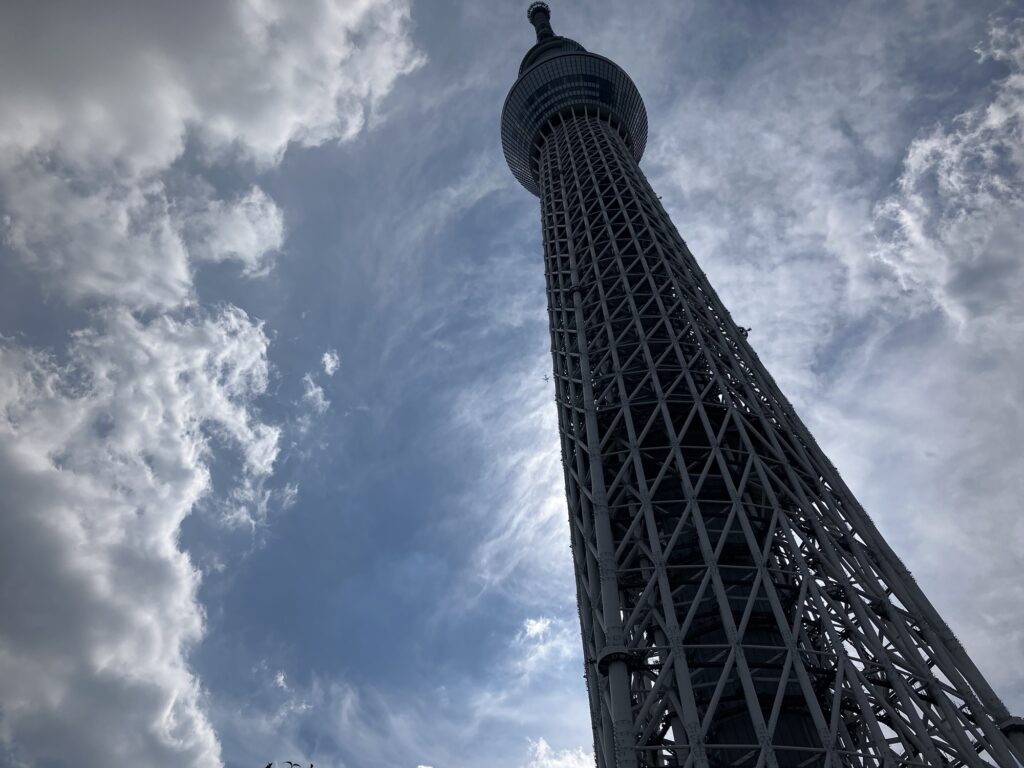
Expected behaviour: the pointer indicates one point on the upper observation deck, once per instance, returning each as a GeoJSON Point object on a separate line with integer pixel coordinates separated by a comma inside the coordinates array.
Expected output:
{"type": "Point", "coordinates": [556, 75]}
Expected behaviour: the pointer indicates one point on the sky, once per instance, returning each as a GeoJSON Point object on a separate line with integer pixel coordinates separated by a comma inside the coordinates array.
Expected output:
{"type": "Point", "coordinates": [279, 472]}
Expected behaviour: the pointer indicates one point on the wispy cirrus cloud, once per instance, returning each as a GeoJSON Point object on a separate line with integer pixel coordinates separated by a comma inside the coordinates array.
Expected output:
{"type": "Point", "coordinates": [519, 499]}
{"type": "Point", "coordinates": [450, 724]}
{"type": "Point", "coordinates": [951, 235]}
{"type": "Point", "coordinates": [863, 297]}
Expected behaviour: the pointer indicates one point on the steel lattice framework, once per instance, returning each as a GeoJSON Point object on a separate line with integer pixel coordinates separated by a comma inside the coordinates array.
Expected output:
{"type": "Point", "coordinates": [737, 605]}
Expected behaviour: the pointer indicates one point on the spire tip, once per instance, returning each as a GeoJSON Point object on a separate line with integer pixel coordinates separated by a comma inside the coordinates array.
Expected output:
{"type": "Point", "coordinates": [539, 15]}
{"type": "Point", "coordinates": [534, 7]}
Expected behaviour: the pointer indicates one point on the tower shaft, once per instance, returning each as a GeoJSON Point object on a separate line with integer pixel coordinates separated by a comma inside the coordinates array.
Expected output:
{"type": "Point", "coordinates": [737, 606]}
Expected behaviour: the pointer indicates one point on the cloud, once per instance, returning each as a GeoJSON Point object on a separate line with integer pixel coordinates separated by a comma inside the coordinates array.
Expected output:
{"type": "Point", "coordinates": [536, 627]}
{"type": "Point", "coordinates": [890, 315]}
{"type": "Point", "coordinates": [124, 126]}
{"type": "Point", "coordinates": [352, 725]}
{"type": "Point", "coordinates": [951, 235]}
{"type": "Point", "coordinates": [103, 456]}
{"type": "Point", "coordinates": [112, 243]}
{"type": "Point", "coordinates": [449, 724]}
{"type": "Point", "coordinates": [518, 501]}
{"type": "Point", "coordinates": [546, 643]}
{"type": "Point", "coordinates": [133, 243]}
{"type": "Point", "coordinates": [245, 230]}
{"type": "Point", "coordinates": [330, 362]}
{"type": "Point", "coordinates": [121, 87]}
{"type": "Point", "coordinates": [543, 756]}
{"type": "Point", "coordinates": [100, 108]}
{"type": "Point", "coordinates": [951, 232]}
{"type": "Point", "coordinates": [313, 395]}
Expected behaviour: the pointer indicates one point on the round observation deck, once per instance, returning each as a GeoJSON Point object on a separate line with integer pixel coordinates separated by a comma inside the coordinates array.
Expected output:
{"type": "Point", "coordinates": [556, 76]}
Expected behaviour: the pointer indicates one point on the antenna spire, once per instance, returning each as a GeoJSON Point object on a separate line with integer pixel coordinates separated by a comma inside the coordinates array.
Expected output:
{"type": "Point", "coordinates": [540, 16]}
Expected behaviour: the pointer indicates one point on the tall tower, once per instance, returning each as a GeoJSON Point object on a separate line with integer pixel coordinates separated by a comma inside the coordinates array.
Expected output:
{"type": "Point", "coordinates": [737, 605]}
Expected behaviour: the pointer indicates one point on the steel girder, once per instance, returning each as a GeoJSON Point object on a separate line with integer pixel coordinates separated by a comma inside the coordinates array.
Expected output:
{"type": "Point", "coordinates": [737, 606]}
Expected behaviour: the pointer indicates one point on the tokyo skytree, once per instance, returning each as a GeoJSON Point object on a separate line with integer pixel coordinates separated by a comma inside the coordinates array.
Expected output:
{"type": "Point", "coordinates": [737, 605]}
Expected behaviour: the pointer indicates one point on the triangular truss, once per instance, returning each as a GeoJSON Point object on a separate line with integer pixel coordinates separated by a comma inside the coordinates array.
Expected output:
{"type": "Point", "coordinates": [738, 607]}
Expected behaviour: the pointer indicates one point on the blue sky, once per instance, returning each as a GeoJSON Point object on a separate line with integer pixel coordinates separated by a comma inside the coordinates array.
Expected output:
{"type": "Point", "coordinates": [279, 468]}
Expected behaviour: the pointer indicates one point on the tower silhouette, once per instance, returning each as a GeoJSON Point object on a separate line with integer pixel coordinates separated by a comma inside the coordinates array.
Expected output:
{"type": "Point", "coordinates": [737, 605]}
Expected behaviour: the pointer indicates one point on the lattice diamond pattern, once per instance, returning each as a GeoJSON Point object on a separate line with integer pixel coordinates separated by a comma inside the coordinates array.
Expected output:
{"type": "Point", "coordinates": [738, 607]}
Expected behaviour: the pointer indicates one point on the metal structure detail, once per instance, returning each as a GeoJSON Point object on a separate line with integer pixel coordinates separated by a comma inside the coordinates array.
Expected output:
{"type": "Point", "coordinates": [737, 605]}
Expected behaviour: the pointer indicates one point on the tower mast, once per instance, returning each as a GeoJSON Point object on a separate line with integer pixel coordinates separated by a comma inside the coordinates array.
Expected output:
{"type": "Point", "coordinates": [737, 605]}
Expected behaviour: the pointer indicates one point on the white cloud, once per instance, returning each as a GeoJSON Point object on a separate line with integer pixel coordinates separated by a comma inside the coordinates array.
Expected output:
{"type": "Point", "coordinates": [951, 234]}
{"type": "Point", "coordinates": [110, 88]}
{"type": "Point", "coordinates": [313, 395]}
{"type": "Point", "coordinates": [446, 726]}
{"type": "Point", "coordinates": [543, 756]}
{"type": "Point", "coordinates": [246, 230]}
{"type": "Point", "coordinates": [98, 109]}
{"type": "Point", "coordinates": [355, 726]}
{"type": "Point", "coordinates": [536, 627]}
{"type": "Point", "coordinates": [330, 362]}
{"type": "Point", "coordinates": [116, 243]}
{"type": "Point", "coordinates": [536, 688]}
{"type": "Point", "coordinates": [109, 443]}
{"type": "Point", "coordinates": [952, 230]}
{"type": "Point", "coordinates": [102, 458]}
{"type": "Point", "coordinates": [519, 501]}
{"type": "Point", "coordinates": [546, 644]}
{"type": "Point", "coordinates": [280, 681]}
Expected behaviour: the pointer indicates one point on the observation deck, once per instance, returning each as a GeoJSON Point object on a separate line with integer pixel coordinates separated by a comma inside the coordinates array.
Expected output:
{"type": "Point", "coordinates": [558, 75]}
